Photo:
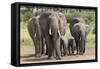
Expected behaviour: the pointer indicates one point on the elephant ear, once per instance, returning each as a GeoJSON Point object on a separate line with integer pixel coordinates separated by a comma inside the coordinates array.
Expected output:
{"type": "Point", "coordinates": [87, 28]}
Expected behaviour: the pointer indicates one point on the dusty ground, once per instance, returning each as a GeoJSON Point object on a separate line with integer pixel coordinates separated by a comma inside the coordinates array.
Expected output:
{"type": "Point", "coordinates": [28, 57]}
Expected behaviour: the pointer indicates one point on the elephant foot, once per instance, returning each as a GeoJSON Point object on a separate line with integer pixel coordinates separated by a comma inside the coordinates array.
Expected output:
{"type": "Point", "coordinates": [38, 55]}
{"type": "Point", "coordinates": [68, 54]}
{"type": "Point", "coordinates": [46, 53]}
{"type": "Point", "coordinates": [77, 53]}
{"type": "Point", "coordinates": [62, 55]}
{"type": "Point", "coordinates": [51, 58]}
{"type": "Point", "coordinates": [43, 54]}
{"type": "Point", "coordinates": [58, 58]}
{"type": "Point", "coordinates": [80, 53]}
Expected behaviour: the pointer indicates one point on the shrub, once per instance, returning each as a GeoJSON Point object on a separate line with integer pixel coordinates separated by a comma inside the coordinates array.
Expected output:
{"type": "Point", "coordinates": [25, 16]}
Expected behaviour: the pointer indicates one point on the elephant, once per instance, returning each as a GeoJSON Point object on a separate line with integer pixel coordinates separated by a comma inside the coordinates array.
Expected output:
{"type": "Point", "coordinates": [62, 26]}
{"type": "Point", "coordinates": [35, 33]}
{"type": "Point", "coordinates": [52, 26]}
{"type": "Point", "coordinates": [79, 30]}
{"type": "Point", "coordinates": [69, 45]}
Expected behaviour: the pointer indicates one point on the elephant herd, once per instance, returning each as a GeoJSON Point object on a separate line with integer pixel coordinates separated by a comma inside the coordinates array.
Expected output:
{"type": "Point", "coordinates": [47, 31]}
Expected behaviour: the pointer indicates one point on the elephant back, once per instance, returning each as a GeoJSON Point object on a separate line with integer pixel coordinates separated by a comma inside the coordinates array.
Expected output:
{"type": "Point", "coordinates": [74, 21]}
{"type": "Point", "coordinates": [77, 20]}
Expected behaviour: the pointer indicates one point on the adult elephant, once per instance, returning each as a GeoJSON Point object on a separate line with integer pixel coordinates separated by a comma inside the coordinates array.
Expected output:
{"type": "Point", "coordinates": [62, 26]}
{"type": "Point", "coordinates": [79, 30]}
{"type": "Point", "coordinates": [35, 33]}
{"type": "Point", "coordinates": [51, 29]}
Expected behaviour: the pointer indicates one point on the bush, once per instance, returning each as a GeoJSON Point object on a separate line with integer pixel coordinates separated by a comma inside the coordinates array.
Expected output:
{"type": "Point", "coordinates": [25, 16]}
{"type": "Point", "coordinates": [69, 16]}
{"type": "Point", "coordinates": [89, 17]}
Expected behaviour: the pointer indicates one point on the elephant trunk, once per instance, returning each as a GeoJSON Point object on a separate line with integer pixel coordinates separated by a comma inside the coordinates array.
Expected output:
{"type": "Point", "coordinates": [82, 43]}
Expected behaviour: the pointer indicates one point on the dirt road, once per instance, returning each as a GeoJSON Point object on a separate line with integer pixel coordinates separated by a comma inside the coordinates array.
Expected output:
{"type": "Point", "coordinates": [28, 57]}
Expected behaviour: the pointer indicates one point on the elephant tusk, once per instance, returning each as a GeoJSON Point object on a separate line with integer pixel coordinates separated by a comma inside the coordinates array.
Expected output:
{"type": "Point", "coordinates": [49, 31]}
{"type": "Point", "coordinates": [34, 35]}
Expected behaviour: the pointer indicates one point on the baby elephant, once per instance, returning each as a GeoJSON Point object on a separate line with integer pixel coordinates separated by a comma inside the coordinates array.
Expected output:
{"type": "Point", "coordinates": [69, 45]}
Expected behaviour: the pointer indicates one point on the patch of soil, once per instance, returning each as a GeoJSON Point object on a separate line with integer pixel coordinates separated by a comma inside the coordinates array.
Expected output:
{"type": "Point", "coordinates": [28, 57]}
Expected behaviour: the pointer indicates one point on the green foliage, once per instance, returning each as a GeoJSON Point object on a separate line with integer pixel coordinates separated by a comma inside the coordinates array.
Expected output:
{"type": "Point", "coordinates": [70, 15]}
{"type": "Point", "coordinates": [25, 39]}
{"type": "Point", "coordinates": [90, 42]}
{"type": "Point", "coordinates": [89, 16]}
{"type": "Point", "coordinates": [93, 31]}
{"type": "Point", "coordinates": [25, 15]}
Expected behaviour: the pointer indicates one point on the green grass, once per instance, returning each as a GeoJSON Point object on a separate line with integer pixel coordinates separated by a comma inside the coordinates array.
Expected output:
{"type": "Point", "coordinates": [27, 41]}
{"type": "Point", "coordinates": [25, 37]}
{"type": "Point", "coordinates": [90, 42]}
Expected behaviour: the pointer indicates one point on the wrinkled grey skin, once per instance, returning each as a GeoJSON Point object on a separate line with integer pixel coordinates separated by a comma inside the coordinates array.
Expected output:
{"type": "Point", "coordinates": [35, 33]}
{"type": "Point", "coordinates": [51, 28]}
{"type": "Point", "coordinates": [69, 45]}
{"type": "Point", "coordinates": [79, 30]}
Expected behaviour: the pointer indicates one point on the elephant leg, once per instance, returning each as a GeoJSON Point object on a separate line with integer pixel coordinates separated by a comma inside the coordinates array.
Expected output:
{"type": "Point", "coordinates": [72, 46]}
{"type": "Point", "coordinates": [84, 46]}
{"type": "Point", "coordinates": [43, 45]}
{"type": "Point", "coordinates": [56, 45]}
{"type": "Point", "coordinates": [80, 48]}
{"type": "Point", "coordinates": [34, 41]}
{"type": "Point", "coordinates": [68, 49]}
{"type": "Point", "coordinates": [46, 50]}
{"type": "Point", "coordinates": [62, 48]}
{"type": "Point", "coordinates": [36, 47]}
{"type": "Point", "coordinates": [57, 49]}
{"type": "Point", "coordinates": [32, 34]}
{"type": "Point", "coordinates": [82, 43]}
{"type": "Point", "coordinates": [72, 49]}
{"type": "Point", "coordinates": [49, 46]}
{"type": "Point", "coordinates": [77, 46]}
{"type": "Point", "coordinates": [65, 49]}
